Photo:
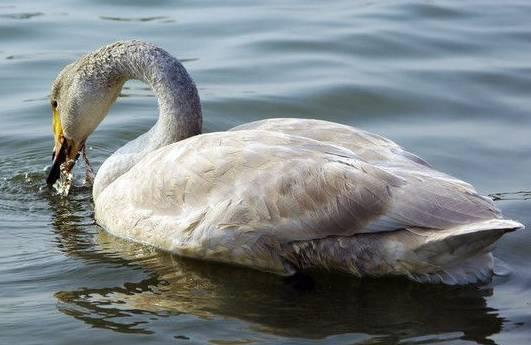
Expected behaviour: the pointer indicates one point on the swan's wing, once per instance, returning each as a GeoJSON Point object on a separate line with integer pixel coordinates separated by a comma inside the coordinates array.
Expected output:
{"type": "Point", "coordinates": [262, 182]}
{"type": "Point", "coordinates": [368, 146]}
{"type": "Point", "coordinates": [433, 201]}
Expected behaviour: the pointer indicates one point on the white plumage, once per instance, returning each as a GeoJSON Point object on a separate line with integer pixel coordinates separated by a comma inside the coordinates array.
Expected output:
{"type": "Point", "coordinates": [278, 195]}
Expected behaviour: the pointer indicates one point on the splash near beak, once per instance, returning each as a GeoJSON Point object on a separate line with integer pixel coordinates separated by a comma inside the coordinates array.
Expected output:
{"type": "Point", "coordinates": [65, 152]}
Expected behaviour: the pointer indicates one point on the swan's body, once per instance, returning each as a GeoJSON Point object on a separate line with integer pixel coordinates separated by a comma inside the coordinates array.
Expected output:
{"type": "Point", "coordinates": [278, 195]}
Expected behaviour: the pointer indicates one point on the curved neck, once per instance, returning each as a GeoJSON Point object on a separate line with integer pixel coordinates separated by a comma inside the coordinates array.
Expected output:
{"type": "Point", "coordinates": [179, 105]}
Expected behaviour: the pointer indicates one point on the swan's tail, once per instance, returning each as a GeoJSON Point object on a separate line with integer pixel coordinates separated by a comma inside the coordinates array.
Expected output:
{"type": "Point", "coordinates": [459, 255]}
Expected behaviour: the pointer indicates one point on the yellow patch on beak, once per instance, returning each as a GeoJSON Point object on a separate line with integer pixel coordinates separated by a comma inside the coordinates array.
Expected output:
{"type": "Point", "coordinates": [57, 129]}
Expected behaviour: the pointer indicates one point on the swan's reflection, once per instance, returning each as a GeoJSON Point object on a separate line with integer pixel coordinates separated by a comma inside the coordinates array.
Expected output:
{"type": "Point", "coordinates": [392, 309]}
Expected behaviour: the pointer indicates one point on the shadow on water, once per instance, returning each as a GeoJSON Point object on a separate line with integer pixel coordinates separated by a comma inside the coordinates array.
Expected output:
{"type": "Point", "coordinates": [389, 309]}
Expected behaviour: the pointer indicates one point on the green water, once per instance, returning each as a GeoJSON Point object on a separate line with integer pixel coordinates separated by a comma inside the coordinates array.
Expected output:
{"type": "Point", "coordinates": [449, 80]}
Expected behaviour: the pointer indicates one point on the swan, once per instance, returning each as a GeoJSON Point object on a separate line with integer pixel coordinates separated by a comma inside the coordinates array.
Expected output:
{"type": "Point", "coordinates": [278, 195]}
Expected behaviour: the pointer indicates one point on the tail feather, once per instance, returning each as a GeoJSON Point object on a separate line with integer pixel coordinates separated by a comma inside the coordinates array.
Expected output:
{"type": "Point", "coordinates": [444, 246]}
{"type": "Point", "coordinates": [470, 271]}
{"type": "Point", "coordinates": [460, 255]}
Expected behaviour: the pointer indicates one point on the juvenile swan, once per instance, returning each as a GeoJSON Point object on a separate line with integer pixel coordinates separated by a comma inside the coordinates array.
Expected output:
{"type": "Point", "coordinates": [278, 195]}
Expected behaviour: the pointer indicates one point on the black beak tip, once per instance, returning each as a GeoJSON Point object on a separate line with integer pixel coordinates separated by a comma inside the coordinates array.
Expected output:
{"type": "Point", "coordinates": [54, 174]}
{"type": "Point", "coordinates": [58, 159]}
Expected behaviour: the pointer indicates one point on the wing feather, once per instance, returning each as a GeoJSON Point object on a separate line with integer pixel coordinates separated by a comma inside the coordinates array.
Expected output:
{"type": "Point", "coordinates": [428, 198]}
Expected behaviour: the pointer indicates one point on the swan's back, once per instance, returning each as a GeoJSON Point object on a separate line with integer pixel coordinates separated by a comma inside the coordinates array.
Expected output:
{"type": "Point", "coordinates": [368, 146]}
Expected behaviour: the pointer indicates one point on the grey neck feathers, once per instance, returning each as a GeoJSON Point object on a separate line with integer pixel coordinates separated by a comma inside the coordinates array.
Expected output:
{"type": "Point", "coordinates": [178, 99]}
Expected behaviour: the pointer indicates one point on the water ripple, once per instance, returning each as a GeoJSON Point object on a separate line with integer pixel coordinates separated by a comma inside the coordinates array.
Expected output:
{"type": "Point", "coordinates": [21, 15]}
{"type": "Point", "coordinates": [159, 19]}
{"type": "Point", "coordinates": [522, 195]}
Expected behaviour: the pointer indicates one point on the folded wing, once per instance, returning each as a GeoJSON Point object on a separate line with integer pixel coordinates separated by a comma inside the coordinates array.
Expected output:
{"type": "Point", "coordinates": [292, 187]}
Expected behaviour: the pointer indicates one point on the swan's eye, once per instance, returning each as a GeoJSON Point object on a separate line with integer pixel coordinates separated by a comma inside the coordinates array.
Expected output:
{"type": "Point", "coordinates": [54, 104]}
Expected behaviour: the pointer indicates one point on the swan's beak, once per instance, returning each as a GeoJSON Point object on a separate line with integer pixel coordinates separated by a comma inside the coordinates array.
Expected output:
{"type": "Point", "coordinates": [65, 151]}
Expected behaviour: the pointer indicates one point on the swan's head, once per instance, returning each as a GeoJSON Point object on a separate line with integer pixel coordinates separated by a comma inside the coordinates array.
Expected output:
{"type": "Point", "coordinates": [81, 96]}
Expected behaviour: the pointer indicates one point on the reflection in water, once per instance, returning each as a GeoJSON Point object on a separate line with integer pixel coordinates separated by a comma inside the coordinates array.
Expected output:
{"type": "Point", "coordinates": [390, 309]}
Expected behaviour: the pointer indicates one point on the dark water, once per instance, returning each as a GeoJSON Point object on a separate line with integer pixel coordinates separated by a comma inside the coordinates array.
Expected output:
{"type": "Point", "coordinates": [449, 80]}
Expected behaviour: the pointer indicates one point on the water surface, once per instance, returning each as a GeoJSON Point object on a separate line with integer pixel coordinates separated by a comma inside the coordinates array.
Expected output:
{"type": "Point", "coordinates": [449, 80]}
